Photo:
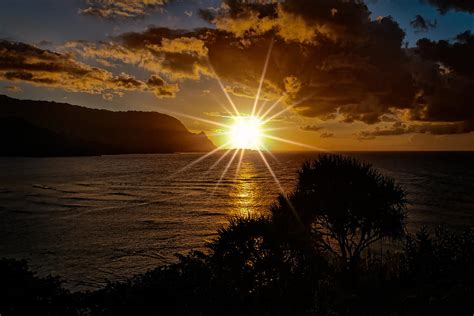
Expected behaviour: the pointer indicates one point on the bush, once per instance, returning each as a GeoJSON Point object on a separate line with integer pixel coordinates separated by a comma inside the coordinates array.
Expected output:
{"type": "Point", "coordinates": [283, 264]}
{"type": "Point", "coordinates": [265, 271]}
{"type": "Point", "coordinates": [23, 293]}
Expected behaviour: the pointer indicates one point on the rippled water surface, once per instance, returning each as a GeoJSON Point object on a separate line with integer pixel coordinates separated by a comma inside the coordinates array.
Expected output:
{"type": "Point", "coordinates": [90, 219]}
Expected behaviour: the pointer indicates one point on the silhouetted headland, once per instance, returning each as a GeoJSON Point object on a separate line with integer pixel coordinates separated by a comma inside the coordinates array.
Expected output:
{"type": "Point", "coordinates": [41, 128]}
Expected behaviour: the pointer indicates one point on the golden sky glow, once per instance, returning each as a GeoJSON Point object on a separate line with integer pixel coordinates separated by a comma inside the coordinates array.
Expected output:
{"type": "Point", "coordinates": [340, 72]}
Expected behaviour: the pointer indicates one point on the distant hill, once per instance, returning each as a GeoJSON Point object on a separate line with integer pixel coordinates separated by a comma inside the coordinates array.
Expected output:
{"type": "Point", "coordinates": [41, 128]}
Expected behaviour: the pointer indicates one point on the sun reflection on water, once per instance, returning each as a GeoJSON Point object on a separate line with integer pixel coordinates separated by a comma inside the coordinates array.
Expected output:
{"type": "Point", "coordinates": [246, 191]}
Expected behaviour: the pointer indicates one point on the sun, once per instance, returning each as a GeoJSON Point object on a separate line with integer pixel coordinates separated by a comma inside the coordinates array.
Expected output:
{"type": "Point", "coordinates": [246, 133]}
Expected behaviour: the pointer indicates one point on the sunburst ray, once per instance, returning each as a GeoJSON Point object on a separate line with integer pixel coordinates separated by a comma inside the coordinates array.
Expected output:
{"type": "Point", "coordinates": [271, 172]}
{"type": "Point", "coordinates": [270, 108]}
{"type": "Point", "coordinates": [261, 108]}
{"type": "Point", "coordinates": [195, 118]}
{"type": "Point", "coordinates": [231, 102]}
{"type": "Point", "coordinates": [283, 140]}
{"type": "Point", "coordinates": [226, 110]}
{"type": "Point", "coordinates": [272, 129]}
{"type": "Point", "coordinates": [283, 193]}
{"type": "Point", "coordinates": [194, 162]}
{"type": "Point", "coordinates": [218, 161]}
{"type": "Point", "coordinates": [287, 108]}
{"type": "Point", "coordinates": [225, 171]}
{"type": "Point", "coordinates": [256, 114]}
{"type": "Point", "coordinates": [257, 97]}
{"type": "Point", "coordinates": [239, 163]}
{"type": "Point", "coordinates": [270, 153]}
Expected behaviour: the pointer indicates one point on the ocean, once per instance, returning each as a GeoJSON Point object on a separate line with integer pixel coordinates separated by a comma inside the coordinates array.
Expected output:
{"type": "Point", "coordinates": [93, 219]}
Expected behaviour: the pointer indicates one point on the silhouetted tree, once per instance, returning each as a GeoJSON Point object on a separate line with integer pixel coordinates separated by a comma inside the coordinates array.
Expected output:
{"type": "Point", "coordinates": [265, 273]}
{"type": "Point", "coordinates": [343, 205]}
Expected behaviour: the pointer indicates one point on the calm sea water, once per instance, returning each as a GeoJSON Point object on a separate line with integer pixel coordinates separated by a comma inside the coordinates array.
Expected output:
{"type": "Point", "coordinates": [93, 219]}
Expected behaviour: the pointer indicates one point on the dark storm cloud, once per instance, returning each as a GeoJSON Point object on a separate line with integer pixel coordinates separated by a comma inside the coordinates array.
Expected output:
{"type": "Point", "coordinates": [327, 57]}
{"type": "Point", "coordinates": [446, 79]}
{"type": "Point", "coordinates": [444, 6]}
{"type": "Point", "coordinates": [113, 9]}
{"type": "Point", "coordinates": [329, 60]}
{"type": "Point", "coordinates": [420, 24]}
{"type": "Point", "coordinates": [456, 56]}
{"type": "Point", "coordinates": [21, 62]}
{"type": "Point", "coordinates": [301, 21]}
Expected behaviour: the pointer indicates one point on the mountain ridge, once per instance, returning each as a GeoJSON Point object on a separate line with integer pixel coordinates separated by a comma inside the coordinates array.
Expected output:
{"type": "Point", "coordinates": [72, 130]}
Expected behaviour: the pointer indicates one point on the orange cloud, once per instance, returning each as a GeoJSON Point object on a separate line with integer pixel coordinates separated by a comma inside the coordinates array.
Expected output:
{"type": "Point", "coordinates": [173, 54]}
{"type": "Point", "coordinates": [25, 63]}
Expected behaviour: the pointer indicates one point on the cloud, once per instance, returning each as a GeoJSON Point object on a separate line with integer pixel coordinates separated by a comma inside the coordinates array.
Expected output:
{"type": "Point", "coordinates": [176, 54]}
{"type": "Point", "coordinates": [428, 128]}
{"type": "Point", "coordinates": [454, 56]}
{"type": "Point", "coordinates": [21, 62]}
{"type": "Point", "coordinates": [444, 6]}
{"type": "Point", "coordinates": [12, 89]}
{"type": "Point", "coordinates": [314, 128]}
{"type": "Point", "coordinates": [45, 43]}
{"type": "Point", "coordinates": [444, 72]}
{"type": "Point", "coordinates": [303, 21]}
{"type": "Point", "coordinates": [244, 91]}
{"type": "Point", "coordinates": [108, 96]}
{"type": "Point", "coordinates": [161, 88]}
{"type": "Point", "coordinates": [311, 128]}
{"type": "Point", "coordinates": [113, 9]}
{"type": "Point", "coordinates": [326, 135]}
{"type": "Point", "coordinates": [217, 114]}
{"type": "Point", "coordinates": [327, 56]}
{"type": "Point", "coordinates": [420, 24]}
{"type": "Point", "coordinates": [328, 59]}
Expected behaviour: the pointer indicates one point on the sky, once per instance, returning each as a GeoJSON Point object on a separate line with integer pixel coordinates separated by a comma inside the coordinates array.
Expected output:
{"type": "Point", "coordinates": [344, 75]}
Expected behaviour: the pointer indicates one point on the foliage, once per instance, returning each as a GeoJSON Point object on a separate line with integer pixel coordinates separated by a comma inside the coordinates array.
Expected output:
{"type": "Point", "coordinates": [23, 293]}
{"type": "Point", "coordinates": [175, 289]}
{"type": "Point", "coordinates": [247, 272]}
{"type": "Point", "coordinates": [345, 206]}
{"type": "Point", "coordinates": [275, 265]}
{"type": "Point", "coordinates": [264, 269]}
{"type": "Point", "coordinates": [432, 274]}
